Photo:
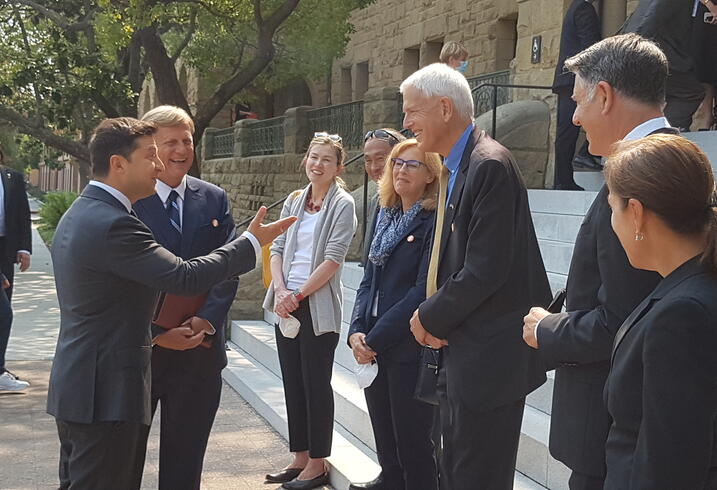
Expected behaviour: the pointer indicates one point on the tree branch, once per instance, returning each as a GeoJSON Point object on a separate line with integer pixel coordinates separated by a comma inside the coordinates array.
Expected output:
{"type": "Point", "coordinates": [58, 18]}
{"type": "Point", "coordinates": [187, 37]}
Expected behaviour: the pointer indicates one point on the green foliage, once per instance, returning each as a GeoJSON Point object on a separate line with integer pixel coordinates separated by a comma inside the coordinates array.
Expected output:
{"type": "Point", "coordinates": [55, 205]}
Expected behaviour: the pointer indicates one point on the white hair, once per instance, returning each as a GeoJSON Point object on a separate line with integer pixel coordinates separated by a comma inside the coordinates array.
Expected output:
{"type": "Point", "coordinates": [440, 80]}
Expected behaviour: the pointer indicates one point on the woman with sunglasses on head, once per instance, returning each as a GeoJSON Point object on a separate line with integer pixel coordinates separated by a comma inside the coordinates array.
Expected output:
{"type": "Point", "coordinates": [393, 286]}
{"type": "Point", "coordinates": [306, 264]}
{"type": "Point", "coordinates": [661, 392]}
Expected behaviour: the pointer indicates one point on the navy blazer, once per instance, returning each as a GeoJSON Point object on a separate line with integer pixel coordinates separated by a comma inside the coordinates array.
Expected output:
{"type": "Point", "coordinates": [401, 287]}
{"type": "Point", "coordinates": [581, 29]}
{"type": "Point", "coordinates": [662, 388]}
{"type": "Point", "coordinates": [207, 224]}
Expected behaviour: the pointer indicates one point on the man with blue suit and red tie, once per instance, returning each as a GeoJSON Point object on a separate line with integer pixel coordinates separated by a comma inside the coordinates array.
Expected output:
{"type": "Point", "coordinates": [190, 217]}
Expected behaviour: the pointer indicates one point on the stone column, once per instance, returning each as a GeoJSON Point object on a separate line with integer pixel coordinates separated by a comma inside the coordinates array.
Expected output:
{"type": "Point", "coordinates": [296, 129]}
{"type": "Point", "coordinates": [614, 13]}
{"type": "Point", "coordinates": [381, 109]}
{"type": "Point", "coordinates": [205, 150]}
{"type": "Point", "coordinates": [241, 137]}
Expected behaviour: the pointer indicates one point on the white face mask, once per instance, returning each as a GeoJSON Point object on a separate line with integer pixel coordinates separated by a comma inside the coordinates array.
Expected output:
{"type": "Point", "coordinates": [462, 67]}
{"type": "Point", "coordinates": [365, 374]}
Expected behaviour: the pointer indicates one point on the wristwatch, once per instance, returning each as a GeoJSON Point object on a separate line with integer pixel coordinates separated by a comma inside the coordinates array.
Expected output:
{"type": "Point", "coordinates": [298, 294]}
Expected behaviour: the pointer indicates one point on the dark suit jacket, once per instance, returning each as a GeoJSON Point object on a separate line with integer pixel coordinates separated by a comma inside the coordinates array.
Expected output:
{"type": "Point", "coordinates": [108, 269]}
{"type": "Point", "coordinates": [490, 274]}
{"type": "Point", "coordinates": [662, 388]}
{"type": "Point", "coordinates": [401, 287]}
{"type": "Point", "coordinates": [18, 232]}
{"type": "Point", "coordinates": [603, 288]}
{"type": "Point", "coordinates": [370, 226]}
{"type": "Point", "coordinates": [203, 204]}
{"type": "Point", "coordinates": [669, 24]}
{"type": "Point", "coordinates": [581, 29]}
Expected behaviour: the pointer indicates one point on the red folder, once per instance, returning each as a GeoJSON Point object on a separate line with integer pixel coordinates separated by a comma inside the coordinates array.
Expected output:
{"type": "Point", "coordinates": [173, 310]}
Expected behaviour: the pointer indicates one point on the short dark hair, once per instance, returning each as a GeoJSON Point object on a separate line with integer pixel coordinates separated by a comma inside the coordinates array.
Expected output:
{"type": "Point", "coordinates": [633, 65]}
{"type": "Point", "coordinates": [116, 136]}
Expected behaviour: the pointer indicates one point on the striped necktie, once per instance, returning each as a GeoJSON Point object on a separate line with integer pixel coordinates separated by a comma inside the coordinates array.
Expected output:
{"type": "Point", "coordinates": [432, 281]}
{"type": "Point", "coordinates": [173, 211]}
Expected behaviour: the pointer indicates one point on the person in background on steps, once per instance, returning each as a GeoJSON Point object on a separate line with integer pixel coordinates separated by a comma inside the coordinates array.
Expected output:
{"type": "Point", "coordinates": [393, 285]}
{"type": "Point", "coordinates": [619, 94]}
{"type": "Point", "coordinates": [306, 265]}
{"type": "Point", "coordinates": [15, 248]}
{"type": "Point", "coordinates": [455, 55]}
{"type": "Point", "coordinates": [377, 145]}
{"type": "Point", "coordinates": [581, 29]}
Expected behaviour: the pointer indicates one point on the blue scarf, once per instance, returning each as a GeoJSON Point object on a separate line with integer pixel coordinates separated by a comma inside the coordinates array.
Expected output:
{"type": "Point", "coordinates": [389, 231]}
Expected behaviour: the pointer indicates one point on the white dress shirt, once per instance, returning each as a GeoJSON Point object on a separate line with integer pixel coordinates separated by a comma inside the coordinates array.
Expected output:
{"type": "Point", "coordinates": [163, 191]}
{"type": "Point", "coordinates": [114, 193]}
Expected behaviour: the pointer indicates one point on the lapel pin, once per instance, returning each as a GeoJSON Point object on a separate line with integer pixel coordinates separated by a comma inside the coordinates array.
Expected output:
{"type": "Point", "coordinates": [453, 227]}
{"type": "Point", "coordinates": [215, 223]}
{"type": "Point", "coordinates": [450, 205]}
{"type": "Point", "coordinates": [410, 238]}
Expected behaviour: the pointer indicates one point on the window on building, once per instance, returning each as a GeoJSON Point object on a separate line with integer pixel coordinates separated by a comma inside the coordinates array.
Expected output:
{"type": "Point", "coordinates": [361, 85]}
{"type": "Point", "coordinates": [431, 52]}
{"type": "Point", "coordinates": [506, 41]}
{"type": "Point", "coordinates": [411, 57]}
{"type": "Point", "coordinates": [345, 85]}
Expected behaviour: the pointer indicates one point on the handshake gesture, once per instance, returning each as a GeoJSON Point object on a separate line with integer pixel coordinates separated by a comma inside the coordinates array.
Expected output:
{"type": "Point", "coordinates": [266, 233]}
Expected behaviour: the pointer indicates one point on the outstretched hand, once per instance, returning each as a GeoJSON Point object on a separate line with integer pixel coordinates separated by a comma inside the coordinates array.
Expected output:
{"type": "Point", "coordinates": [266, 233]}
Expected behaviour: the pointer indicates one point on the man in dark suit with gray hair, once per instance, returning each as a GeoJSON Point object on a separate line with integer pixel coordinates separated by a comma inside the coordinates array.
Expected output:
{"type": "Point", "coordinates": [108, 271]}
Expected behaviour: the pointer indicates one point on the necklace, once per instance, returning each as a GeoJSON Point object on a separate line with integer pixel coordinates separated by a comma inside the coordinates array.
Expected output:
{"type": "Point", "coordinates": [311, 205]}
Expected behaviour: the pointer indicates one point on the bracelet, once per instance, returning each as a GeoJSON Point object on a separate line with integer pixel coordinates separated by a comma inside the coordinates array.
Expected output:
{"type": "Point", "coordinates": [298, 294]}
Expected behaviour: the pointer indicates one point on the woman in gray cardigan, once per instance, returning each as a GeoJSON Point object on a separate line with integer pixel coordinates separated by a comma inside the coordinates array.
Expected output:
{"type": "Point", "coordinates": [306, 264]}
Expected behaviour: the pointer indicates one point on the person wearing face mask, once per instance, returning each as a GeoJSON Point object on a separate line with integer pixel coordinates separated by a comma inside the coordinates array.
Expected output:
{"type": "Point", "coordinates": [377, 145]}
{"type": "Point", "coordinates": [306, 264]}
{"type": "Point", "coordinates": [455, 55]}
{"type": "Point", "coordinates": [392, 288]}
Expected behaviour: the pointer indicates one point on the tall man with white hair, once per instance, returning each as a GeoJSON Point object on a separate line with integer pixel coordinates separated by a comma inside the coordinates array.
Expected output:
{"type": "Point", "coordinates": [619, 94]}
{"type": "Point", "coordinates": [485, 271]}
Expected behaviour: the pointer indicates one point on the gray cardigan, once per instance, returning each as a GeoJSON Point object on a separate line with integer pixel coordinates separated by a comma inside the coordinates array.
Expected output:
{"type": "Point", "coordinates": [332, 236]}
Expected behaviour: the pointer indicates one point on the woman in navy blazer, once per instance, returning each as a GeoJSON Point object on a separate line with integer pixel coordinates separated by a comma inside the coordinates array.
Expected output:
{"type": "Point", "coordinates": [662, 389]}
{"type": "Point", "coordinates": [393, 285]}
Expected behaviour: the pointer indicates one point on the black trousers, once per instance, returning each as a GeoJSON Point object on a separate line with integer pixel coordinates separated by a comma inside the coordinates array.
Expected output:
{"type": "Point", "coordinates": [306, 365]}
{"type": "Point", "coordinates": [188, 403]}
{"type": "Point", "coordinates": [106, 455]}
{"type": "Point", "coordinates": [401, 428]}
{"type": "Point", "coordinates": [581, 481]}
{"type": "Point", "coordinates": [7, 267]}
{"type": "Point", "coordinates": [479, 448]}
{"type": "Point", "coordinates": [566, 136]}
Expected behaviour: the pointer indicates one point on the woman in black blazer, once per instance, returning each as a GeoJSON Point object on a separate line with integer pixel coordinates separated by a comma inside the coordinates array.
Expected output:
{"type": "Point", "coordinates": [662, 389]}
{"type": "Point", "coordinates": [393, 285]}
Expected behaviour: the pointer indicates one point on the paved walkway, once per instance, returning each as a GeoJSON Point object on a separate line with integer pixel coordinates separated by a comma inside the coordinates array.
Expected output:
{"type": "Point", "coordinates": [242, 447]}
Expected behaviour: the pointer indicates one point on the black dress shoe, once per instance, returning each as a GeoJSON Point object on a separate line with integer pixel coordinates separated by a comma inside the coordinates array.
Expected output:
{"type": "Point", "coordinates": [317, 482]}
{"type": "Point", "coordinates": [283, 476]}
{"type": "Point", "coordinates": [375, 484]}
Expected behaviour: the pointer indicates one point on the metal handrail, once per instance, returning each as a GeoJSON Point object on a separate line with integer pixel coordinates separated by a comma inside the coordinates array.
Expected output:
{"type": "Point", "coordinates": [495, 87]}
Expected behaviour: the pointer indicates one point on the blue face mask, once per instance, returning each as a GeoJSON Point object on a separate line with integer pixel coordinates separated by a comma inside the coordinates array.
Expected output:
{"type": "Point", "coordinates": [462, 67]}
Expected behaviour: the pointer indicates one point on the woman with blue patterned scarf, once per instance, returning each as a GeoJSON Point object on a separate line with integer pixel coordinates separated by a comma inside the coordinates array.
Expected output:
{"type": "Point", "coordinates": [393, 285]}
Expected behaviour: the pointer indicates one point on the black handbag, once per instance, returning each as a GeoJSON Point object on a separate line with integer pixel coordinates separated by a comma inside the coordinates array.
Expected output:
{"type": "Point", "coordinates": [429, 362]}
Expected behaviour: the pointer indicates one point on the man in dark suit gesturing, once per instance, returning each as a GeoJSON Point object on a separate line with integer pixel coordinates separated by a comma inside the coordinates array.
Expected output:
{"type": "Point", "coordinates": [15, 248]}
{"type": "Point", "coordinates": [619, 91]}
{"type": "Point", "coordinates": [186, 375]}
{"type": "Point", "coordinates": [485, 270]}
{"type": "Point", "coordinates": [108, 269]}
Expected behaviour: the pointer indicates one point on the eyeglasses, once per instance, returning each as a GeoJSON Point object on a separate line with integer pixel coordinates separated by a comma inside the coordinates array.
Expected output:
{"type": "Point", "coordinates": [333, 137]}
{"type": "Point", "coordinates": [399, 163]}
{"type": "Point", "coordinates": [380, 134]}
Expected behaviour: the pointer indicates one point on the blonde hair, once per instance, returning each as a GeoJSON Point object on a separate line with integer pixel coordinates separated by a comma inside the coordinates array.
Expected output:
{"type": "Point", "coordinates": [337, 146]}
{"type": "Point", "coordinates": [386, 192]}
{"type": "Point", "coordinates": [168, 116]}
{"type": "Point", "coordinates": [452, 49]}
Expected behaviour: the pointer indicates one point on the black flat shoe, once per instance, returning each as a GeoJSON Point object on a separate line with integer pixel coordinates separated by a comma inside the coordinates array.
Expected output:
{"type": "Point", "coordinates": [283, 476]}
{"type": "Point", "coordinates": [319, 481]}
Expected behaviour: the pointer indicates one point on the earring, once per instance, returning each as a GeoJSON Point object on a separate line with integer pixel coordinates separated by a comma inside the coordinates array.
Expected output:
{"type": "Point", "coordinates": [639, 237]}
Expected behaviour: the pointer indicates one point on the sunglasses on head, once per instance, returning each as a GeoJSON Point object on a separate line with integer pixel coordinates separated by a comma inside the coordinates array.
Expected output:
{"type": "Point", "coordinates": [333, 137]}
{"type": "Point", "coordinates": [380, 134]}
{"type": "Point", "coordinates": [410, 164]}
